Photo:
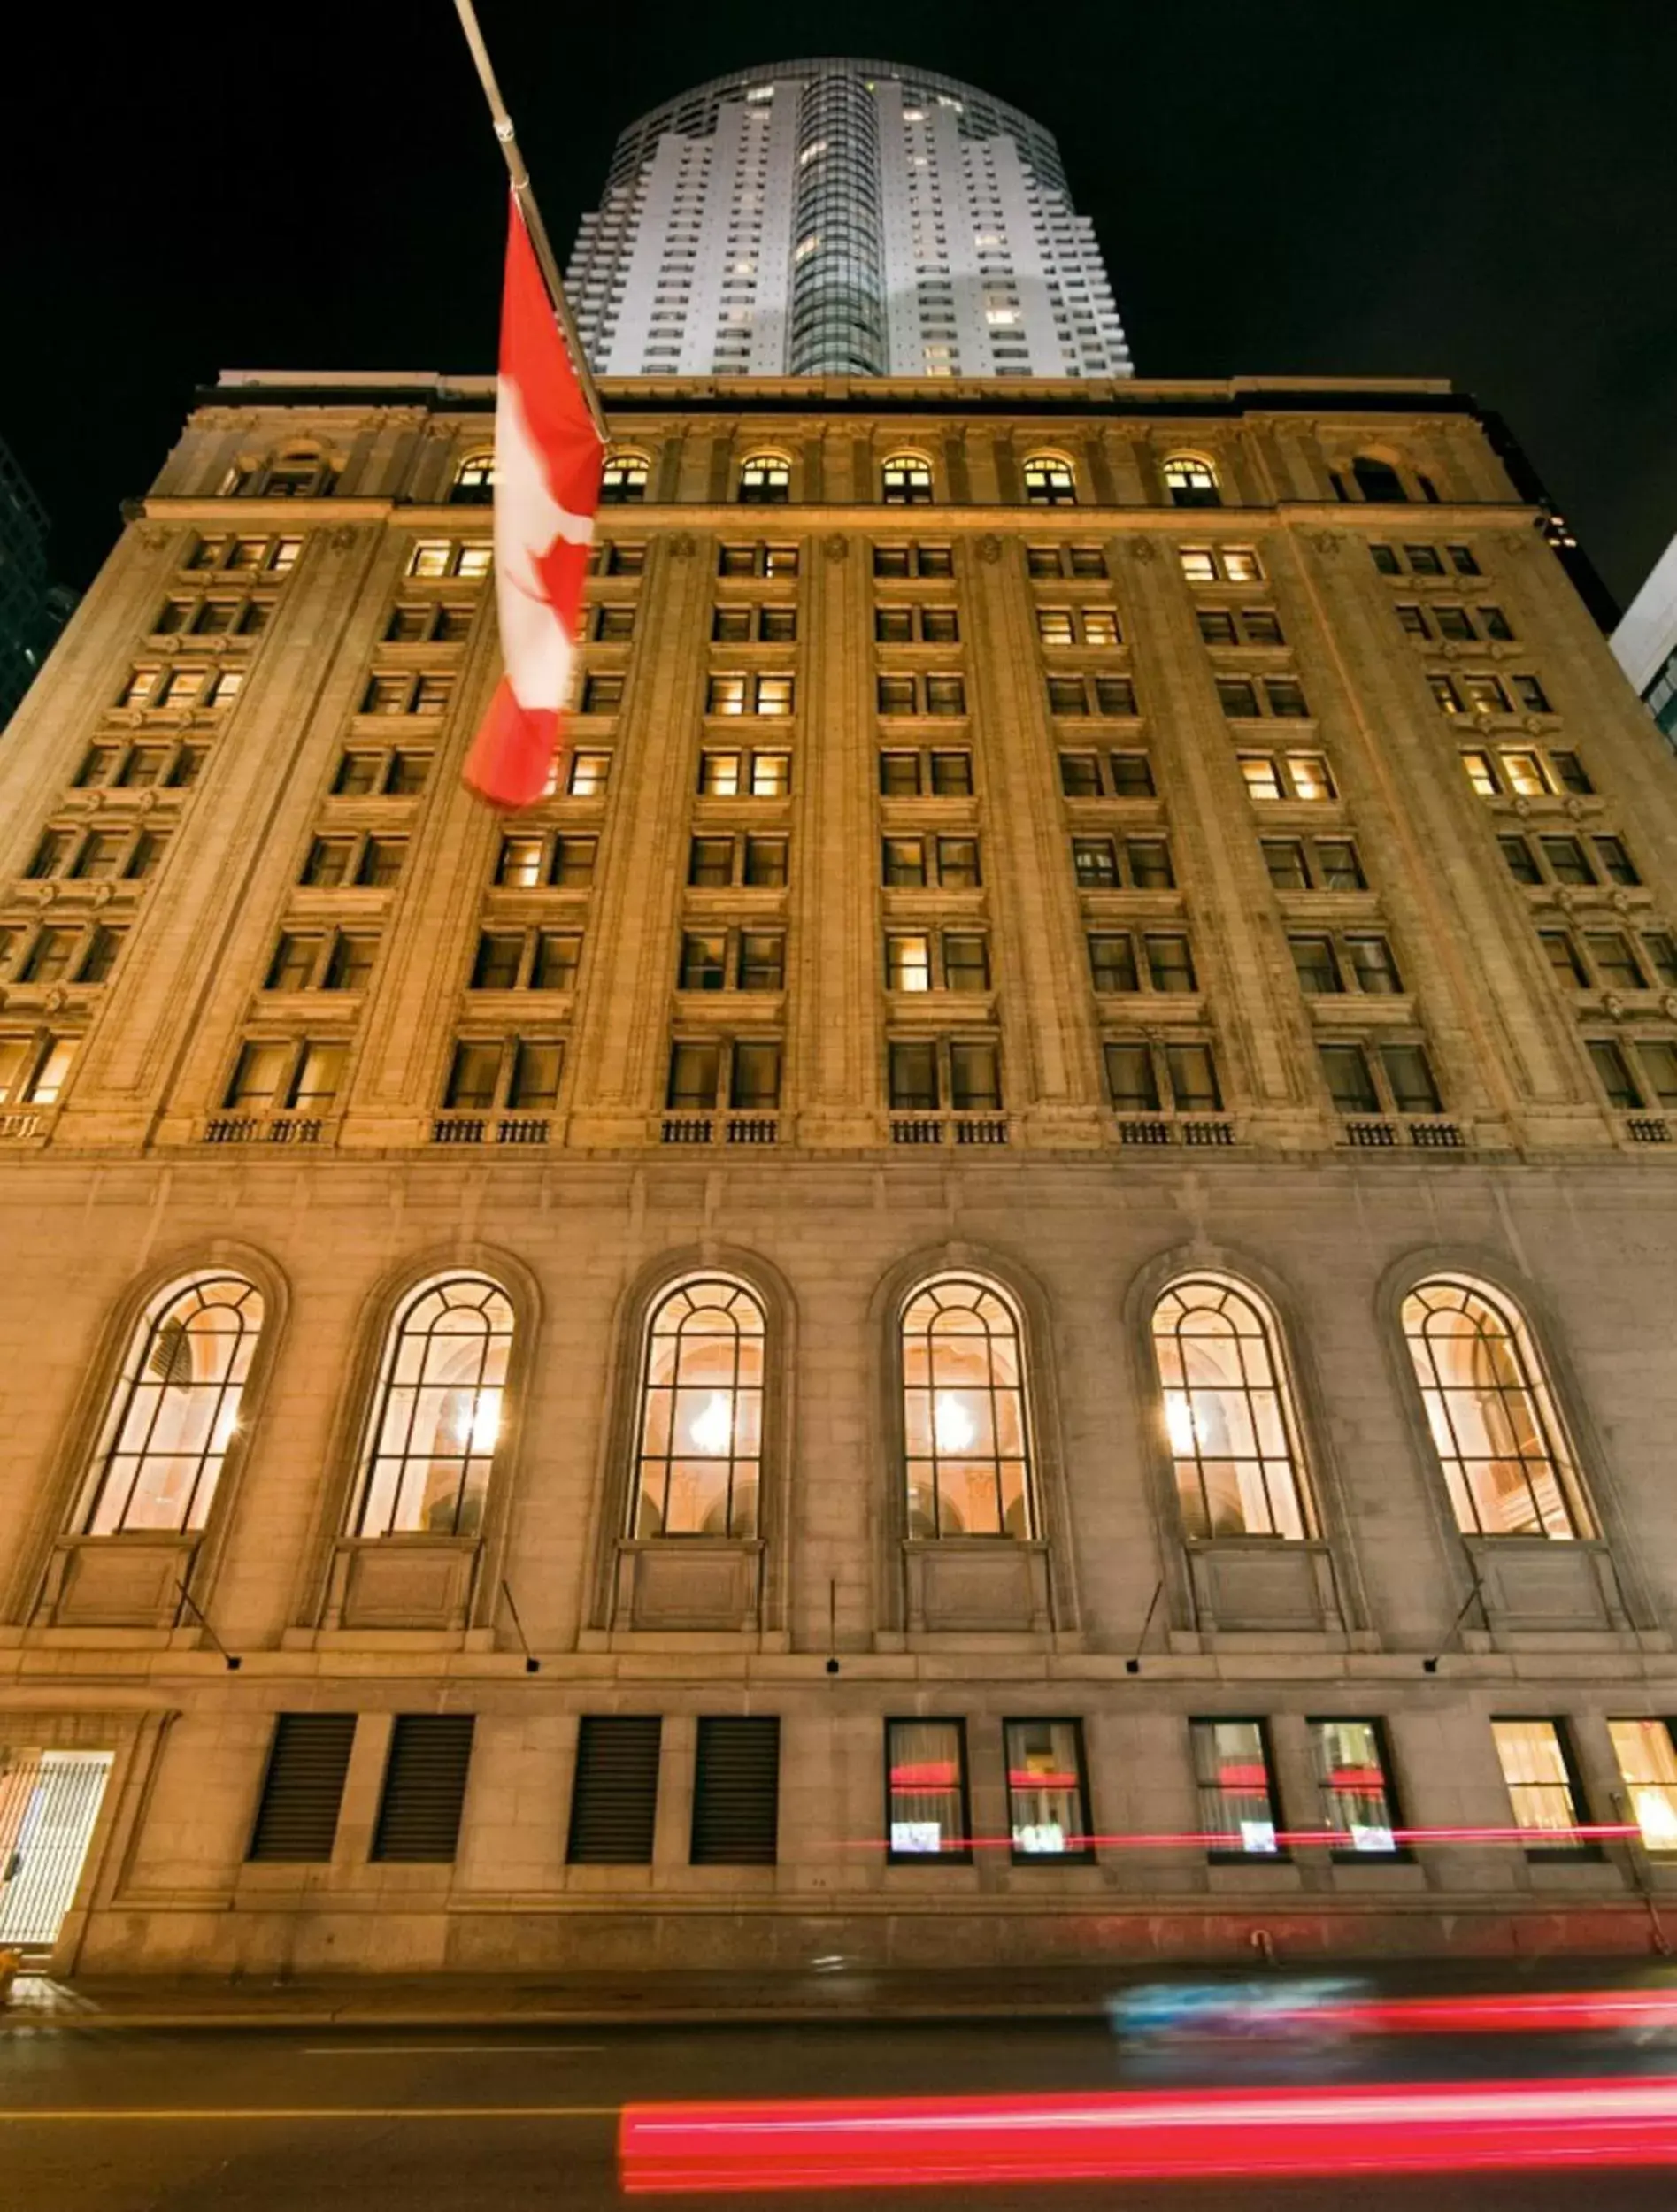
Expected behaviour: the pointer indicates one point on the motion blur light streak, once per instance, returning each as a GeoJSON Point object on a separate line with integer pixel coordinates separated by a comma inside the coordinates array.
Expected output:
{"type": "Point", "coordinates": [872, 2143]}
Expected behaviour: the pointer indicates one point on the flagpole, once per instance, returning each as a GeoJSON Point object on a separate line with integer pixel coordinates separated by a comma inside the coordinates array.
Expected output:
{"type": "Point", "coordinates": [524, 194]}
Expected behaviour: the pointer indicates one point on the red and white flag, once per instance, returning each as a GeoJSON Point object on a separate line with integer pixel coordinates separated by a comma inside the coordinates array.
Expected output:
{"type": "Point", "coordinates": [548, 458]}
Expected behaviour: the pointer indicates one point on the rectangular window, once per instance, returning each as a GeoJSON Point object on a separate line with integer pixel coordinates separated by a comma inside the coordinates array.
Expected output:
{"type": "Point", "coordinates": [1337, 865]}
{"type": "Point", "coordinates": [1614, 1073]}
{"type": "Point", "coordinates": [387, 694]}
{"type": "Point", "coordinates": [407, 774]}
{"type": "Point", "coordinates": [903, 863]}
{"type": "Point", "coordinates": [896, 695]}
{"type": "Point", "coordinates": [765, 863]}
{"type": "Point", "coordinates": [694, 1071]}
{"type": "Point", "coordinates": [1285, 698]}
{"type": "Point", "coordinates": [1236, 1789]}
{"type": "Point", "coordinates": [101, 955]}
{"type": "Point", "coordinates": [1065, 695]}
{"type": "Point", "coordinates": [1374, 969]}
{"type": "Point", "coordinates": [1648, 1766]}
{"type": "Point", "coordinates": [908, 963]}
{"type": "Point", "coordinates": [1263, 777]}
{"type": "Point", "coordinates": [951, 775]}
{"type": "Point", "coordinates": [1661, 949]}
{"type": "Point", "coordinates": [1148, 862]}
{"type": "Point", "coordinates": [614, 1796]}
{"type": "Point", "coordinates": [1518, 855]}
{"type": "Point", "coordinates": [1567, 861]}
{"type": "Point", "coordinates": [975, 1082]}
{"type": "Point", "coordinates": [1562, 955]}
{"type": "Point", "coordinates": [1132, 775]}
{"type": "Point", "coordinates": [474, 1074]}
{"type": "Point", "coordinates": [736, 1787]}
{"type": "Point", "coordinates": [1615, 862]}
{"type": "Point", "coordinates": [966, 962]}
{"type": "Point", "coordinates": [1317, 969]}
{"type": "Point", "coordinates": [1413, 621]}
{"type": "Point", "coordinates": [957, 868]}
{"type": "Point", "coordinates": [1485, 694]}
{"type": "Point", "coordinates": [1570, 774]}
{"type": "Point", "coordinates": [777, 625]}
{"type": "Point", "coordinates": [899, 775]}
{"type": "Point", "coordinates": [1453, 624]}
{"type": "Point", "coordinates": [589, 775]}
{"type": "Point", "coordinates": [1131, 1079]}
{"type": "Point", "coordinates": [1495, 623]}
{"type": "Point", "coordinates": [926, 1790]}
{"type": "Point", "coordinates": [1350, 1080]}
{"type": "Point", "coordinates": [574, 860]}
{"type": "Point", "coordinates": [709, 862]}
{"type": "Point", "coordinates": [1481, 775]}
{"type": "Point", "coordinates": [1356, 1795]}
{"type": "Point", "coordinates": [726, 694]}
{"type": "Point", "coordinates": [1386, 560]}
{"type": "Point", "coordinates": [424, 1787]}
{"type": "Point", "coordinates": [258, 1075]}
{"type": "Point", "coordinates": [1192, 1072]}
{"type": "Point", "coordinates": [1658, 1060]}
{"type": "Point", "coordinates": [1215, 625]}
{"type": "Point", "coordinates": [704, 963]}
{"type": "Point", "coordinates": [1307, 775]}
{"type": "Point", "coordinates": [1170, 965]}
{"type": "Point", "coordinates": [1284, 860]}
{"type": "Point", "coordinates": [913, 1077]}
{"type": "Point", "coordinates": [1525, 774]}
{"type": "Point", "coordinates": [1054, 625]}
{"type": "Point", "coordinates": [296, 1819]}
{"type": "Point", "coordinates": [719, 775]}
{"type": "Point", "coordinates": [1531, 695]}
{"type": "Point", "coordinates": [1614, 963]}
{"type": "Point", "coordinates": [1424, 560]}
{"type": "Point", "coordinates": [536, 1068]}
{"type": "Point", "coordinates": [731, 626]}
{"type": "Point", "coordinates": [557, 956]}
{"type": "Point", "coordinates": [945, 695]}
{"type": "Point", "coordinates": [1542, 1790]}
{"type": "Point", "coordinates": [1081, 775]}
{"type": "Point", "coordinates": [1445, 695]}
{"type": "Point", "coordinates": [1114, 697]}
{"type": "Point", "coordinates": [1047, 1789]}
{"type": "Point", "coordinates": [350, 967]}
{"type": "Point", "coordinates": [1410, 1076]}
{"type": "Point", "coordinates": [761, 960]}
{"type": "Point", "coordinates": [755, 1085]}
{"type": "Point", "coordinates": [1095, 862]}
{"type": "Point", "coordinates": [614, 625]}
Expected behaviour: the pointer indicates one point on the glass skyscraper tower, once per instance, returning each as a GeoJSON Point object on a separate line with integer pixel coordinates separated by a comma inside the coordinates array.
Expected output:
{"type": "Point", "coordinates": [841, 218]}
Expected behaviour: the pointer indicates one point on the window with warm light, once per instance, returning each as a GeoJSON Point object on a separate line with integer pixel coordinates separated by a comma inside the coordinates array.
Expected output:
{"type": "Point", "coordinates": [1049, 481]}
{"type": "Point", "coordinates": [766, 480]}
{"type": "Point", "coordinates": [176, 1410]}
{"type": "Point", "coordinates": [699, 1454]}
{"type": "Point", "coordinates": [437, 1411]}
{"type": "Point", "coordinates": [1494, 1423]}
{"type": "Point", "coordinates": [1648, 1767]}
{"type": "Point", "coordinates": [926, 1786]}
{"type": "Point", "coordinates": [474, 481]}
{"type": "Point", "coordinates": [624, 478]}
{"type": "Point", "coordinates": [1237, 1788]}
{"type": "Point", "coordinates": [906, 480]}
{"type": "Point", "coordinates": [1355, 1794]}
{"type": "Point", "coordinates": [1543, 1789]}
{"type": "Point", "coordinates": [966, 1431]}
{"type": "Point", "coordinates": [1190, 481]}
{"type": "Point", "coordinates": [1047, 1796]}
{"type": "Point", "coordinates": [1228, 1412]}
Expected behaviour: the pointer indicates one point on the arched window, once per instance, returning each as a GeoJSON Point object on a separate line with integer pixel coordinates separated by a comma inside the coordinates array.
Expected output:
{"type": "Point", "coordinates": [297, 473]}
{"type": "Point", "coordinates": [965, 1435]}
{"type": "Point", "coordinates": [699, 1455]}
{"type": "Point", "coordinates": [1191, 481]}
{"type": "Point", "coordinates": [1495, 1428]}
{"type": "Point", "coordinates": [1378, 480]}
{"type": "Point", "coordinates": [474, 482]}
{"type": "Point", "coordinates": [623, 481]}
{"type": "Point", "coordinates": [436, 1414]}
{"type": "Point", "coordinates": [766, 480]}
{"type": "Point", "coordinates": [1228, 1412]}
{"type": "Point", "coordinates": [906, 480]}
{"type": "Point", "coordinates": [175, 1409]}
{"type": "Point", "coordinates": [1049, 481]}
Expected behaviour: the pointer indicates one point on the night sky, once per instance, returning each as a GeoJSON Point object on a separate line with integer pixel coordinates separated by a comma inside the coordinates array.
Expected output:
{"type": "Point", "coordinates": [1485, 191]}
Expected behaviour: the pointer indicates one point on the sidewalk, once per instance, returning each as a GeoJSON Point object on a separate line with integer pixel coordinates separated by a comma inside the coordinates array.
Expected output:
{"type": "Point", "coordinates": [809, 1994]}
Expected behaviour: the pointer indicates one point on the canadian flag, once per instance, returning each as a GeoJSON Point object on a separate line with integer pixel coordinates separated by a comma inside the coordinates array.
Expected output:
{"type": "Point", "coordinates": [548, 458]}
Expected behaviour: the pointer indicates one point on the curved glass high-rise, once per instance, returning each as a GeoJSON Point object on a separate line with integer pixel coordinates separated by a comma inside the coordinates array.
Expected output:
{"type": "Point", "coordinates": [845, 217]}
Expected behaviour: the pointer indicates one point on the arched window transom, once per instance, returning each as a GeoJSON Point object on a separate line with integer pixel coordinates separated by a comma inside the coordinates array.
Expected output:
{"type": "Point", "coordinates": [1049, 481]}
{"type": "Point", "coordinates": [1495, 1428]}
{"type": "Point", "coordinates": [1191, 481]}
{"type": "Point", "coordinates": [766, 480]}
{"type": "Point", "coordinates": [474, 481]}
{"type": "Point", "coordinates": [438, 1411]}
{"type": "Point", "coordinates": [1233, 1436]}
{"type": "Point", "coordinates": [699, 1460]}
{"type": "Point", "coordinates": [176, 1408]}
{"type": "Point", "coordinates": [623, 481]}
{"type": "Point", "coordinates": [906, 480]}
{"type": "Point", "coordinates": [966, 1434]}
{"type": "Point", "coordinates": [1378, 481]}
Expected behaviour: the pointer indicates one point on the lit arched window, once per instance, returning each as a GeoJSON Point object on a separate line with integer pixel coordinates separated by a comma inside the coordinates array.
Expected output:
{"type": "Point", "coordinates": [1049, 481]}
{"type": "Point", "coordinates": [1228, 1412]}
{"type": "Point", "coordinates": [906, 480]}
{"type": "Point", "coordinates": [699, 1456]}
{"type": "Point", "coordinates": [1495, 1428]}
{"type": "Point", "coordinates": [1378, 481]}
{"type": "Point", "coordinates": [474, 481]}
{"type": "Point", "coordinates": [766, 480]}
{"type": "Point", "coordinates": [623, 481]}
{"type": "Point", "coordinates": [1191, 482]}
{"type": "Point", "coordinates": [436, 1414]}
{"type": "Point", "coordinates": [964, 1431]}
{"type": "Point", "coordinates": [175, 1409]}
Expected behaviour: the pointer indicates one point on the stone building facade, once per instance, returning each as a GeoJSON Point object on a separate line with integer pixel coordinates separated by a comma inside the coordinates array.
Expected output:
{"type": "Point", "coordinates": [997, 1292]}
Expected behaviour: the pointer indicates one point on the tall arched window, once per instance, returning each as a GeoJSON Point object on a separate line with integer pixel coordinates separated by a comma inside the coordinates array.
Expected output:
{"type": "Point", "coordinates": [1049, 481]}
{"type": "Point", "coordinates": [766, 480]}
{"type": "Point", "coordinates": [1191, 481]}
{"type": "Point", "coordinates": [175, 1409]}
{"type": "Point", "coordinates": [906, 480]}
{"type": "Point", "coordinates": [700, 1451]}
{"type": "Point", "coordinates": [967, 1438]}
{"type": "Point", "coordinates": [1495, 1426]}
{"type": "Point", "coordinates": [1228, 1412]}
{"type": "Point", "coordinates": [298, 472]}
{"type": "Point", "coordinates": [623, 481]}
{"type": "Point", "coordinates": [474, 481]}
{"type": "Point", "coordinates": [1378, 480]}
{"type": "Point", "coordinates": [437, 1411]}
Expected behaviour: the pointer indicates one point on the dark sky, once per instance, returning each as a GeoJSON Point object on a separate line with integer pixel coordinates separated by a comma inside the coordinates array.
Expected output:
{"type": "Point", "coordinates": [1486, 190]}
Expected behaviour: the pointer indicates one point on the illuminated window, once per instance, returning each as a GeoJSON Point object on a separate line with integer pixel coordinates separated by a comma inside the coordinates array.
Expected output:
{"type": "Point", "coordinates": [906, 480]}
{"type": "Point", "coordinates": [623, 481]}
{"type": "Point", "coordinates": [1647, 1764]}
{"type": "Point", "coordinates": [474, 481]}
{"type": "Point", "coordinates": [176, 1410]}
{"type": "Point", "coordinates": [1049, 481]}
{"type": "Point", "coordinates": [1228, 1412]}
{"type": "Point", "coordinates": [1355, 1794]}
{"type": "Point", "coordinates": [1542, 1790]}
{"type": "Point", "coordinates": [1190, 481]}
{"type": "Point", "coordinates": [964, 1428]}
{"type": "Point", "coordinates": [1047, 1793]}
{"type": "Point", "coordinates": [700, 1448]}
{"type": "Point", "coordinates": [437, 1412]}
{"type": "Point", "coordinates": [1237, 1788]}
{"type": "Point", "coordinates": [926, 1784]}
{"type": "Point", "coordinates": [766, 480]}
{"type": "Point", "coordinates": [1494, 1424]}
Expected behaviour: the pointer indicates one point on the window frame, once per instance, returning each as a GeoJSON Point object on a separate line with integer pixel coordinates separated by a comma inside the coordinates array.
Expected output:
{"type": "Point", "coordinates": [962, 1855]}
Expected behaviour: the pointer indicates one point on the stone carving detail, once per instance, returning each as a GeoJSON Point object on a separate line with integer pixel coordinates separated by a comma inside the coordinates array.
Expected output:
{"type": "Point", "coordinates": [1612, 1004]}
{"type": "Point", "coordinates": [1327, 542]}
{"type": "Point", "coordinates": [1515, 540]}
{"type": "Point", "coordinates": [343, 538]}
{"type": "Point", "coordinates": [1621, 901]}
{"type": "Point", "coordinates": [989, 549]}
{"type": "Point", "coordinates": [1576, 809]}
{"type": "Point", "coordinates": [147, 803]}
{"type": "Point", "coordinates": [56, 999]}
{"type": "Point", "coordinates": [155, 541]}
{"type": "Point", "coordinates": [684, 548]}
{"type": "Point", "coordinates": [103, 893]}
{"type": "Point", "coordinates": [1145, 551]}
{"type": "Point", "coordinates": [836, 548]}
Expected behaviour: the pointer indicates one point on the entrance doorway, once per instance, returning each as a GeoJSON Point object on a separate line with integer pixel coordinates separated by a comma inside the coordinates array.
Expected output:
{"type": "Point", "coordinates": [48, 1803]}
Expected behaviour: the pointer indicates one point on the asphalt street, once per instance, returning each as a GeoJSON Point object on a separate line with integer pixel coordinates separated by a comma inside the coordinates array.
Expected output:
{"type": "Point", "coordinates": [93, 2120]}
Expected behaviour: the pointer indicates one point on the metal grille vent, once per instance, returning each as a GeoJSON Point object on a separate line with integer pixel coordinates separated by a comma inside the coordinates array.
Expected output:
{"type": "Point", "coordinates": [614, 1801]}
{"type": "Point", "coordinates": [297, 1817]}
{"type": "Point", "coordinates": [424, 1786]}
{"type": "Point", "coordinates": [736, 1791]}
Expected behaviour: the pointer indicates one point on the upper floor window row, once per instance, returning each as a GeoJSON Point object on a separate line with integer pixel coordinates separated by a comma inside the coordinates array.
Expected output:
{"type": "Point", "coordinates": [299, 471]}
{"type": "Point", "coordinates": [267, 557]}
{"type": "Point", "coordinates": [1455, 625]}
{"type": "Point", "coordinates": [1425, 560]}
{"type": "Point", "coordinates": [189, 685]}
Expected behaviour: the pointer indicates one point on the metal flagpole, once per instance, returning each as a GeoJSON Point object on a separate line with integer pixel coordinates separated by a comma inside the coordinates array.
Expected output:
{"type": "Point", "coordinates": [524, 194]}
